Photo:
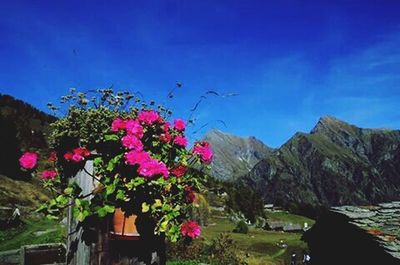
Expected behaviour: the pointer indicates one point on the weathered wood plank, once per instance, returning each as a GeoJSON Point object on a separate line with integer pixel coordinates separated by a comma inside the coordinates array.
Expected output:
{"type": "Point", "coordinates": [78, 253]}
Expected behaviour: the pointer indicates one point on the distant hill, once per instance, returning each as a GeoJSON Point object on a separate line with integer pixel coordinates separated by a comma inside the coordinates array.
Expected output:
{"type": "Point", "coordinates": [234, 156]}
{"type": "Point", "coordinates": [22, 127]}
{"type": "Point", "coordinates": [335, 164]}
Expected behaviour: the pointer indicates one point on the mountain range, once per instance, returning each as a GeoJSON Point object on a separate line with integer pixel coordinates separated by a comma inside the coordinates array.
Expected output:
{"type": "Point", "coordinates": [335, 164]}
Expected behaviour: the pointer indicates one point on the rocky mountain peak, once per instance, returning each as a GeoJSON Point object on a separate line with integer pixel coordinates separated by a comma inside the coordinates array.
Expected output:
{"type": "Point", "coordinates": [234, 156]}
{"type": "Point", "coordinates": [328, 124]}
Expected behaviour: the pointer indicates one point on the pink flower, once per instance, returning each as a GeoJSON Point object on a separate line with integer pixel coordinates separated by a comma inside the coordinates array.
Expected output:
{"type": "Point", "coordinates": [179, 170]}
{"type": "Point", "coordinates": [191, 229]}
{"type": "Point", "coordinates": [28, 160]}
{"type": "Point", "coordinates": [148, 116]}
{"type": "Point", "coordinates": [77, 155]}
{"type": "Point", "coordinates": [181, 141]}
{"type": "Point", "coordinates": [179, 124]}
{"type": "Point", "coordinates": [166, 137]}
{"type": "Point", "coordinates": [49, 174]}
{"type": "Point", "coordinates": [137, 157]}
{"type": "Point", "coordinates": [82, 151]}
{"type": "Point", "coordinates": [153, 168]}
{"type": "Point", "coordinates": [204, 151]}
{"type": "Point", "coordinates": [132, 142]}
{"type": "Point", "coordinates": [166, 127]}
{"type": "Point", "coordinates": [117, 124]}
{"type": "Point", "coordinates": [133, 127]}
{"type": "Point", "coordinates": [53, 156]}
{"type": "Point", "coordinates": [68, 156]}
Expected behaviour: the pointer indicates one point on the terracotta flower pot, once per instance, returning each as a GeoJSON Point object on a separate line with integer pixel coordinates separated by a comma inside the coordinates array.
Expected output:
{"type": "Point", "coordinates": [124, 226]}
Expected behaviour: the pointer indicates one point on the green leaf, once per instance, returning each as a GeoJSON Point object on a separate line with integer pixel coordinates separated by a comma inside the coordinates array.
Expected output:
{"type": "Point", "coordinates": [106, 209]}
{"type": "Point", "coordinates": [98, 161]}
{"type": "Point", "coordinates": [82, 215]}
{"type": "Point", "coordinates": [109, 208]}
{"type": "Point", "coordinates": [173, 233]}
{"type": "Point", "coordinates": [68, 191]}
{"type": "Point", "coordinates": [135, 183]}
{"type": "Point", "coordinates": [111, 137]}
{"type": "Point", "coordinates": [78, 202]}
{"type": "Point", "coordinates": [164, 225]}
{"type": "Point", "coordinates": [145, 207]}
{"type": "Point", "coordinates": [113, 162]}
{"type": "Point", "coordinates": [110, 189]}
{"type": "Point", "coordinates": [120, 195]}
{"type": "Point", "coordinates": [61, 200]}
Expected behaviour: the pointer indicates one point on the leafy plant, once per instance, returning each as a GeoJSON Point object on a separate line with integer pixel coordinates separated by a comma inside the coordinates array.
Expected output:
{"type": "Point", "coordinates": [241, 227]}
{"type": "Point", "coordinates": [225, 251]}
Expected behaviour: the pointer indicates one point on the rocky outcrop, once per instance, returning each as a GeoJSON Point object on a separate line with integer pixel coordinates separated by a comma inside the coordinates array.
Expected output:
{"type": "Point", "coordinates": [234, 156]}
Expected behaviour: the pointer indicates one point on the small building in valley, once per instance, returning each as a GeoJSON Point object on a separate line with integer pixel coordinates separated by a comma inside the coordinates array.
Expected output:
{"type": "Point", "coordinates": [283, 226]}
{"type": "Point", "coordinates": [356, 235]}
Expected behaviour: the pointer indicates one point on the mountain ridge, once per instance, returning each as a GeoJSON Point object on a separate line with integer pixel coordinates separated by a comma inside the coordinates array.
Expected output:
{"type": "Point", "coordinates": [336, 163]}
{"type": "Point", "coordinates": [234, 156]}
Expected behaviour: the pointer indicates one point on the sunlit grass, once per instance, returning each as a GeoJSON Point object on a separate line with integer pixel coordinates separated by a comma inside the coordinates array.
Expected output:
{"type": "Point", "coordinates": [261, 245]}
{"type": "Point", "coordinates": [25, 235]}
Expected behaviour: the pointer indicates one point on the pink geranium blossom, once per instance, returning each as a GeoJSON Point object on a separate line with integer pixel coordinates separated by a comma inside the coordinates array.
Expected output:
{"type": "Point", "coordinates": [118, 124]}
{"type": "Point", "coordinates": [179, 170]}
{"type": "Point", "coordinates": [148, 116]}
{"type": "Point", "coordinates": [133, 127]}
{"type": "Point", "coordinates": [137, 157]}
{"type": "Point", "coordinates": [77, 155]}
{"type": "Point", "coordinates": [166, 137]}
{"type": "Point", "coordinates": [153, 168]}
{"type": "Point", "coordinates": [82, 151]}
{"type": "Point", "coordinates": [191, 229]}
{"type": "Point", "coordinates": [204, 151]}
{"type": "Point", "coordinates": [132, 142]}
{"type": "Point", "coordinates": [181, 141]}
{"type": "Point", "coordinates": [49, 174]}
{"type": "Point", "coordinates": [28, 160]}
{"type": "Point", "coordinates": [68, 156]}
{"type": "Point", "coordinates": [166, 127]}
{"type": "Point", "coordinates": [179, 124]}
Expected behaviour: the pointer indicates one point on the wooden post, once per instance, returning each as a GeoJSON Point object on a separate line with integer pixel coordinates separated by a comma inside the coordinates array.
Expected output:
{"type": "Point", "coordinates": [78, 253]}
{"type": "Point", "coordinates": [148, 250]}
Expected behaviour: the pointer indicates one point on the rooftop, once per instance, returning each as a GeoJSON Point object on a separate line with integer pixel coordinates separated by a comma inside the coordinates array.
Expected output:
{"type": "Point", "coordinates": [382, 221]}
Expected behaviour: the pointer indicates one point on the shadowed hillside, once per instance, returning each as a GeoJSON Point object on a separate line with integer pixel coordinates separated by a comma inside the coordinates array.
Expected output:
{"type": "Point", "coordinates": [22, 126]}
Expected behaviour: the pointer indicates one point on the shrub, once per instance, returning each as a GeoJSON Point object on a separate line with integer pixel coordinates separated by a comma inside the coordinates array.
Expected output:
{"type": "Point", "coordinates": [241, 227]}
{"type": "Point", "coordinates": [186, 249]}
{"type": "Point", "coordinates": [225, 251]}
{"type": "Point", "coordinates": [141, 163]}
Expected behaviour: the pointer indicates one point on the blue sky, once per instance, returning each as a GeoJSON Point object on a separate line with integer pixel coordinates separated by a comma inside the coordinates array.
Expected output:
{"type": "Point", "coordinates": [290, 61]}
